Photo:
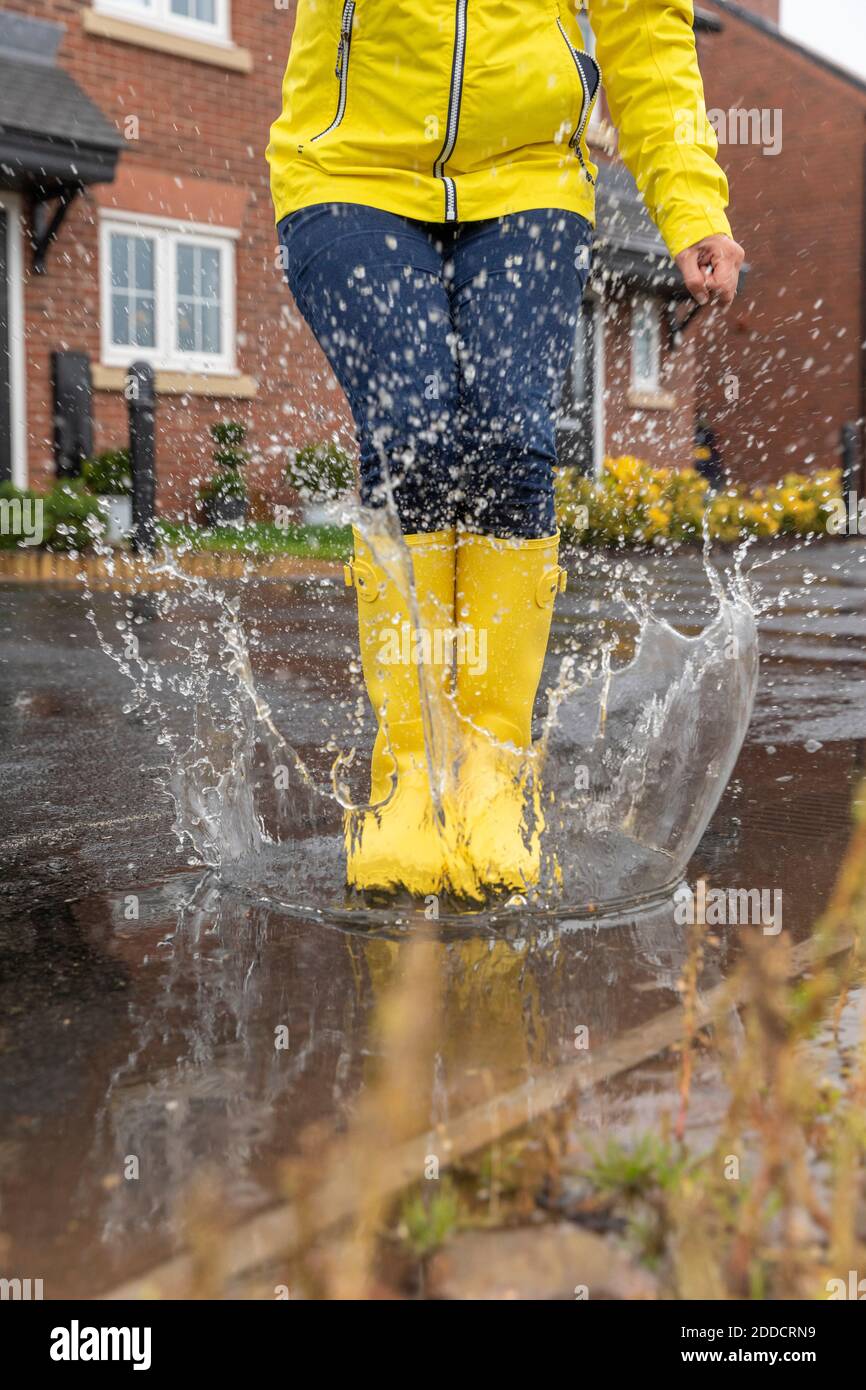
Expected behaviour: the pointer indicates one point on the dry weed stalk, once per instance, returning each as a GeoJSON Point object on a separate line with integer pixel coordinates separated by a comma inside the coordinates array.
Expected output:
{"type": "Point", "coordinates": [394, 1107]}
{"type": "Point", "coordinates": [777, 1229]}
{"type": "Point", "coordinates": [689, 993]}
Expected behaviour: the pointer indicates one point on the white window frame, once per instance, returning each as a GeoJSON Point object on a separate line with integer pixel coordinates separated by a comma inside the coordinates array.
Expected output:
{"type": "Point", "coordinates": [649, 304]}
{"type": "Point", "coordinates": [15, 271]}
{"type": "Point", "coordinates": [167, 233]}
{"type": "Point", "coordinates": [599, 420]}
{"type": "Point", "coordinates": [157, 14]}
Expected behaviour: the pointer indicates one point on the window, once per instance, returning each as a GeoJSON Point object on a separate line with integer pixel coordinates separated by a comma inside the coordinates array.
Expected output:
{"type": "Point", "coordinates": [580, 424]}
{"type": "Point", "coordinates": [168, 294]}
{"type": "Point", "coordinates": [133, 290]}
{"type": "Point", "coordinates": [202, 19]}
{"type": "Point", "coordinates": [646, 343]}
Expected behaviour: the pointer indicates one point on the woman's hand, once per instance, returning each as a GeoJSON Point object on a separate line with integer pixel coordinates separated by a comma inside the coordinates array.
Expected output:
{"type": "Point", "coordinates": [711, 269]}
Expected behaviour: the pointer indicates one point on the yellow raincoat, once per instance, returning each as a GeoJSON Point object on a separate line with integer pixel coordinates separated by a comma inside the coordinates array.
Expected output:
{"type": "Point", "coordinates": [457, 110]}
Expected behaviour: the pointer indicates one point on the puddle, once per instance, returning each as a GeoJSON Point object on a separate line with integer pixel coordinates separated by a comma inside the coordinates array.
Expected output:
{"type": "Point", "coordinates": [141, 995]}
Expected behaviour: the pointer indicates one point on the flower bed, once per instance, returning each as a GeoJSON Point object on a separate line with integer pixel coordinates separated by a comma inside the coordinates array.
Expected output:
{"type": "Point", "coordinates": [635, 504]}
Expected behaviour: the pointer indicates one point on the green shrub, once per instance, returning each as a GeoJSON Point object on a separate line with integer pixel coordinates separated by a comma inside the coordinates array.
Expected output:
{"type": "Point", "coordinates": [227, 483]}
{"type": "Point", "coordinates": [320, 472]}
{"type": "Point", "coordinates": [229, 458]}
{"type": "Point", "coordinates": [70, 516]}
{"type": "Point", "coordinates": [108, 474]}
{"type": "Point", "coordinates": [228, 437]}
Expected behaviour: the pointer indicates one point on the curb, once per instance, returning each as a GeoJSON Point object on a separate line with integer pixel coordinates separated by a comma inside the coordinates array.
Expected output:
{"type": "Point", "coordinates": [126, 571]}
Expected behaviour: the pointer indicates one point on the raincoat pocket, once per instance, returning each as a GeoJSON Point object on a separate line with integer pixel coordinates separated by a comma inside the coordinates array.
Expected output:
{"type": "Point", "coordinates": [589, 73]}
{"type": "Point", "coordinates": [341, 69]}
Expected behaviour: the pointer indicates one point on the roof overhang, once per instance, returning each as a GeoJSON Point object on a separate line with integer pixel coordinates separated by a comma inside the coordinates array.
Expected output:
{"type": "Point", "coordinates": [629, 252]}
{"type": "Point", "coordinates": [639, 271]}
{"type": "Point", "coordinates": [54, 141]}
{"type": "Point", "coordinates": [706, 22]}
{"type": "Point", "coordinates": [45, 167]}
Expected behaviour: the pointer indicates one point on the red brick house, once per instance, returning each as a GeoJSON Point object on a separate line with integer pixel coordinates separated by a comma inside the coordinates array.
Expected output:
{"type": "Point", "coordinates": [151, 175]}
{"type": "Point", "coordinates": [786, 369]}
{"type": "Point", "coordinates": [778, 377]}
{"type": "Point", "coordinates": [169, 255]}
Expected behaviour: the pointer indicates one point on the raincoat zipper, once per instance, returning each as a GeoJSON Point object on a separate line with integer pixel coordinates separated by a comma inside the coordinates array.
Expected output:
{"type": "Point", "coordinates": [341, 70]}
{"type": "Point", "coordinates": [453, 121]}
{"type": "Point", "coordinates": [588, 100]}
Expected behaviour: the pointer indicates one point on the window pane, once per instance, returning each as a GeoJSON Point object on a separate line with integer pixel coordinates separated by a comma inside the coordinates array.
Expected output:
{"type": "Point", "coordinates": [185, 270]}
{"type": "Point", "coordinates": [644, 341]}
{"type": "Point", "coordinates": [202, 10]}
{"type": "Point", "coordinates": [133, 320]}
{"type": "Point", "coordinates": [143, 263]}
{"type": "Point", "coordinates": [199, 299]}
{"type": "Point", "coordinates": [145, 322]}
{"type": "Point", "coordinates": [133, 302]}
{"type": "Point", "coordinates": [120, 261]}
{"type": "Point", "coordinates": [210, 329]}
{"type": "Point", "coordinates": [579, 383]}
{"type": "Point", "coordinates": [642, 355]}
{"type": "Point", "coordinates": [119, 319]}
{"type": "Point", "coordinates": [210, 274]}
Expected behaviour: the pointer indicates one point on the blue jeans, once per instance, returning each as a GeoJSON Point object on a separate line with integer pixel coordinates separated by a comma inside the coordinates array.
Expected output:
{"type": "Point", "coordinates": [451, 344]}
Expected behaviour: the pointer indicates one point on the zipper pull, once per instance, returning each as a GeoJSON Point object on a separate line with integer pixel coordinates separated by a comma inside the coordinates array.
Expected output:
{"type": "Point", "coordinates": [345, 36]}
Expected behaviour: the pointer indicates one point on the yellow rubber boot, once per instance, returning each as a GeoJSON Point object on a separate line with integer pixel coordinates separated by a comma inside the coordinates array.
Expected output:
{"type": "Point", "coordinates": [399, 842]}
{"type": "Point", "coordinates": [505, 595]}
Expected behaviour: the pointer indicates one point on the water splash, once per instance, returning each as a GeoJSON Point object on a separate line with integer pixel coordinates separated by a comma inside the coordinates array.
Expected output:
{"type": "Point", "coordinates": [211, 721]}
{"type": "Point", "coordinates": [636, 758]}
{"type": "Point", "coordinates": [633, 757]}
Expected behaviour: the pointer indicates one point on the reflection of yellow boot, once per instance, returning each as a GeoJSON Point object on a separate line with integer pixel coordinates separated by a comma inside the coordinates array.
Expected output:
{"type": "Point", "coordinates": [400, 842]}
{"type": "Point", "coordinates": [505, 595]}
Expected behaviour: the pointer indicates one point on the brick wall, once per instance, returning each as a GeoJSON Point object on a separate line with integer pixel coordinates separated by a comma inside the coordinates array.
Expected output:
{"type": "Point", "coordinates": [196, 119]}
{"type": "Point", "coordinates": [764, 9]}
{"type": "Point", "coordinates": [791, 346]}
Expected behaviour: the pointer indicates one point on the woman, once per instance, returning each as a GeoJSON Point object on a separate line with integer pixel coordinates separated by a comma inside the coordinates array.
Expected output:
{"type": "Point", "coordinates": [434, 195]}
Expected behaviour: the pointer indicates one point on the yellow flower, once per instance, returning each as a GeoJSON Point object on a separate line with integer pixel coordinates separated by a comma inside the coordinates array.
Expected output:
{"type": "Point", "coordinates": [659, 518]}
{"type": "Point", "coordinates": [633, 498]}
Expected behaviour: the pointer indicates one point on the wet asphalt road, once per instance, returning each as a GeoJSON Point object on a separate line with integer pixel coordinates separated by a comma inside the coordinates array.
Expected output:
{"type": "Point", "coordinates": [153, 1036]}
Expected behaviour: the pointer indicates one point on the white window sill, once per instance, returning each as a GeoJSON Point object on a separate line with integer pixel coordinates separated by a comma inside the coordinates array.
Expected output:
{"type": "Point", "coordinates": [225, 385]}
{"type": "Point", "coordinates": [221, 55]}
{"type": "Point", "coordinates": [641, 398]}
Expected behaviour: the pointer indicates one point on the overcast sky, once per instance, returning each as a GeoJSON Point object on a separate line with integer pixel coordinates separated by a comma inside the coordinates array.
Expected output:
{"type": "Point", "coordinates": [836, 28]}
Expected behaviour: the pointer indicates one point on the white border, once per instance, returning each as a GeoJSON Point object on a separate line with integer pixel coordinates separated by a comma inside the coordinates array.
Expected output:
{"type": "Point", "coordinates": [653, 303]}
{"type": "Point", "coordinates": [169, 224]}
{"type": "Point", "coordinates": [599, 444]}
{"type": "Point", "coordinates": [11, 204]}
{"type": "Point", "coordinates": [165, 355]}
{"type": "Point", "coordinates": [159, 16]}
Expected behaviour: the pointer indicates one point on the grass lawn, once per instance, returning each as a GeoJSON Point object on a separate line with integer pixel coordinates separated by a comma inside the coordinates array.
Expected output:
{"type": "Point", "coordinates": [262, 538]}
